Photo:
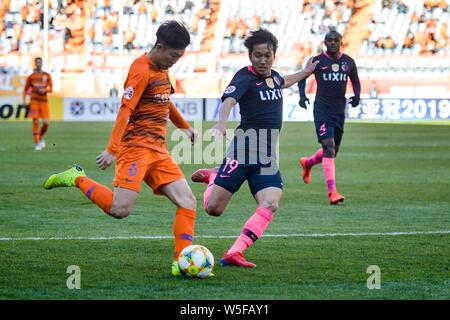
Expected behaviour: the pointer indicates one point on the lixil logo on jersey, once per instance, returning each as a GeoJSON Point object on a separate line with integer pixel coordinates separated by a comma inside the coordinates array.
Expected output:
{"type": "Point", "coordinates": [270, 95]}
{"type": "Point", "coordinates": [334, 76]}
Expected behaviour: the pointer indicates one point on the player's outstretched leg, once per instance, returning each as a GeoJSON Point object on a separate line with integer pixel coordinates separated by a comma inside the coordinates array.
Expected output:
{"type": "Point", "coordinates": [101, 195]}
{"type": "Point", "coordinates": [65, 178]}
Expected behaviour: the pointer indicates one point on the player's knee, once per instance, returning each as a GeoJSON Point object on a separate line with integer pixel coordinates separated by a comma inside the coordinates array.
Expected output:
{"type": "Point", "coordinates": [328, 151]}
{"type": "Point", "coordinates": [271, 205]}
{"type": "Point", "coordinates": [214, 209]}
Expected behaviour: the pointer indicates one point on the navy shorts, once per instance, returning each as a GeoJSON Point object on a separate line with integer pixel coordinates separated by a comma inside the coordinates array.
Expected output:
{"type": "Point", "coordinates": [232, 175]}
{"type": "Point", "coordinates": [328, 130]}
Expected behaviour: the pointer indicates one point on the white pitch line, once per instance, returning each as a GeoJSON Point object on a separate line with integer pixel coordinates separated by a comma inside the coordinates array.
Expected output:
{"type": "Point", "coordinates": [294, 235]}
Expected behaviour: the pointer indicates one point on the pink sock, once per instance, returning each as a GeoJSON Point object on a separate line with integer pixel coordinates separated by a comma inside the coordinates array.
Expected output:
{"type": "Point", "coordinates": [329, 172]}
{"type": "Point", "coordinates": [253, 229]}
{"type": "Point", "coordinates": [209, 189]}
{"type": "Point", "coordinates": [315, 158]}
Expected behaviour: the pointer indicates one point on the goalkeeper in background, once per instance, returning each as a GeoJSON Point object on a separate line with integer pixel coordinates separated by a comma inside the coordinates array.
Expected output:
{"type": "Point", "coordinates": [331, 76]}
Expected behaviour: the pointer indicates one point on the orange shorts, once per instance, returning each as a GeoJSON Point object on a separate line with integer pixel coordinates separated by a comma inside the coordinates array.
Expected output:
{"type": "Point", "coordinates": [38, 110]}
{"type": "Point", "coordinates": [137, 164]}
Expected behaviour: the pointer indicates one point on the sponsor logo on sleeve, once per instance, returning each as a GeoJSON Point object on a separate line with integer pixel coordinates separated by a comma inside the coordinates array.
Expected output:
{"type": "Point", "coordinates": [128, 93]}
{"type": "Point", "coordinates": [230, 90]}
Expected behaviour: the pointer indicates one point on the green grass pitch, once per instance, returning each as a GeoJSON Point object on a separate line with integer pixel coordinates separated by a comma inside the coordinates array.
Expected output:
{"type": "Point", "coordinates": [395, 177]}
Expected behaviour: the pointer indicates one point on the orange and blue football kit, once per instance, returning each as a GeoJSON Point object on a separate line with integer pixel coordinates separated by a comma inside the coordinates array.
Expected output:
{"type": "Point", "coordinates": [38, 84]}
{"type": "Point", "coordinates": [138, 141]}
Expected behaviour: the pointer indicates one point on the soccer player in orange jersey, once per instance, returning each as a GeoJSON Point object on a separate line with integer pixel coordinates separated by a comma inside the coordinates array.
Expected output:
{"type": "Point", "coordinates": [38, 84]}
{"type": "Point", "coordinates": [138, 142]}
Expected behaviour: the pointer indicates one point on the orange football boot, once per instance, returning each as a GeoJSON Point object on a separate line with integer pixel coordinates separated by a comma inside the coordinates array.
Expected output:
{"type": "Point", "coordinates": [306, 173]}
{"type": "Point", "coordinates": [335, 197]}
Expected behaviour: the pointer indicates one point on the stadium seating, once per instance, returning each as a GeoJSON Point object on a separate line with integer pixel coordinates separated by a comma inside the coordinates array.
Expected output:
{"type": "Point", "coordinates": [384, 36]}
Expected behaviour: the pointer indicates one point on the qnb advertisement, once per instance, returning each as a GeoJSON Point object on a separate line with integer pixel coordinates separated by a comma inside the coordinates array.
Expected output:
{"type": "Point", "coordinates": [106, 109]}
{"type": "Point", "coordinates": [91, 109]}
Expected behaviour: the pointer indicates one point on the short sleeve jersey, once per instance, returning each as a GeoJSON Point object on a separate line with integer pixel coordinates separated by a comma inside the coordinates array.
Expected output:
{"type": "Point", "coordinates": [260, 99]}
{"type": "Point", "coordinates": [38, 82]}
{"type": "Point", "coordinates": [331, 77]}
{"type": "Point", "coordinates": [261, 106]}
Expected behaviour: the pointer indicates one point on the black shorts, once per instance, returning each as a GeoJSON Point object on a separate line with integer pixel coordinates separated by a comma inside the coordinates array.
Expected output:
{"type": "Point", "coordinates": [329, 130]}
{"type": "Point", "coordinates": [232, 175]}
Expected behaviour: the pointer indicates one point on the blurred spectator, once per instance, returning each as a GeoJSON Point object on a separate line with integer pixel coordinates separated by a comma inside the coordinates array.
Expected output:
{"type": "Point", "coordinates": [374, 90]}
{"type": "Point", "coordinates": [408, 43]}
{"type": "Point", "coordinates": [402, 7]}
{"type": "Point", "coordinates": [113, 92]}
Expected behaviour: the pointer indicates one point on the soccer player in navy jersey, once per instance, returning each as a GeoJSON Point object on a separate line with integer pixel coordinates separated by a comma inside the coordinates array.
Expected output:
{"type": "Point", "coordinates": [331, 76]}
{"type": "Point", "coordinates": [251, 155]}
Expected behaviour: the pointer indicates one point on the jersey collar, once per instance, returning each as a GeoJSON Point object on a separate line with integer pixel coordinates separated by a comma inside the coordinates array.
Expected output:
{"type": "Point", "coordinates": [331, 58]}
{"type": "Point", "coordinates": [252, 70]}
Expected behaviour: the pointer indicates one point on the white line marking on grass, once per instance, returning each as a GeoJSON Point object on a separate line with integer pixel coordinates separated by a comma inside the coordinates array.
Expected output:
{"type": "Point", "coordinates": [293, 235]}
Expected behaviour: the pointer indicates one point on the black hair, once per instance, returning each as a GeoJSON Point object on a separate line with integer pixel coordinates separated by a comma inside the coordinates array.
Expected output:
{"type": "Point", "coordinates": [333, 32]}
{"type": "Point", "coordinates": [38, 58]}
{"type": "Point", "coordinates": [173, 34]}
{"type": "Point", "coordinates": [261, 36]}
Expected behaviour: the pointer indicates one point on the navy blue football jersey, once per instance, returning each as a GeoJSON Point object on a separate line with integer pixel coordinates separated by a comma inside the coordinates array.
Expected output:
{"type": "Point", "coordinates": [331, 77]}
{"type": "Point", "coordinates": [260, 99]}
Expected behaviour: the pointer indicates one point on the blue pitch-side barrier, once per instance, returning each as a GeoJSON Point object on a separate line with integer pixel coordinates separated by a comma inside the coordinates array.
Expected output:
{"type": "Point", "coordinates": [105, 109]}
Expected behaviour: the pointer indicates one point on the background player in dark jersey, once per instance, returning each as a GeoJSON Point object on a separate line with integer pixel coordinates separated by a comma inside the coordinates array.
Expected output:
{"type": "Point", "coordinates": [251, 155]}
{"type": "Point", "coordinates": [329, 108]}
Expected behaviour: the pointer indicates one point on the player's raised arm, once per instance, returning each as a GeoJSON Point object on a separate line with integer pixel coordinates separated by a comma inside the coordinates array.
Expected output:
{"type": "Point", "coordinates": [219, 129]}
{"type": "Point", "coordinates": [291, 79]}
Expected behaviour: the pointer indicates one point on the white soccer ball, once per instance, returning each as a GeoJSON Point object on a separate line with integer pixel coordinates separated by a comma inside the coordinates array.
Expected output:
{"type": "Point", "coordinates": [196, 261]}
